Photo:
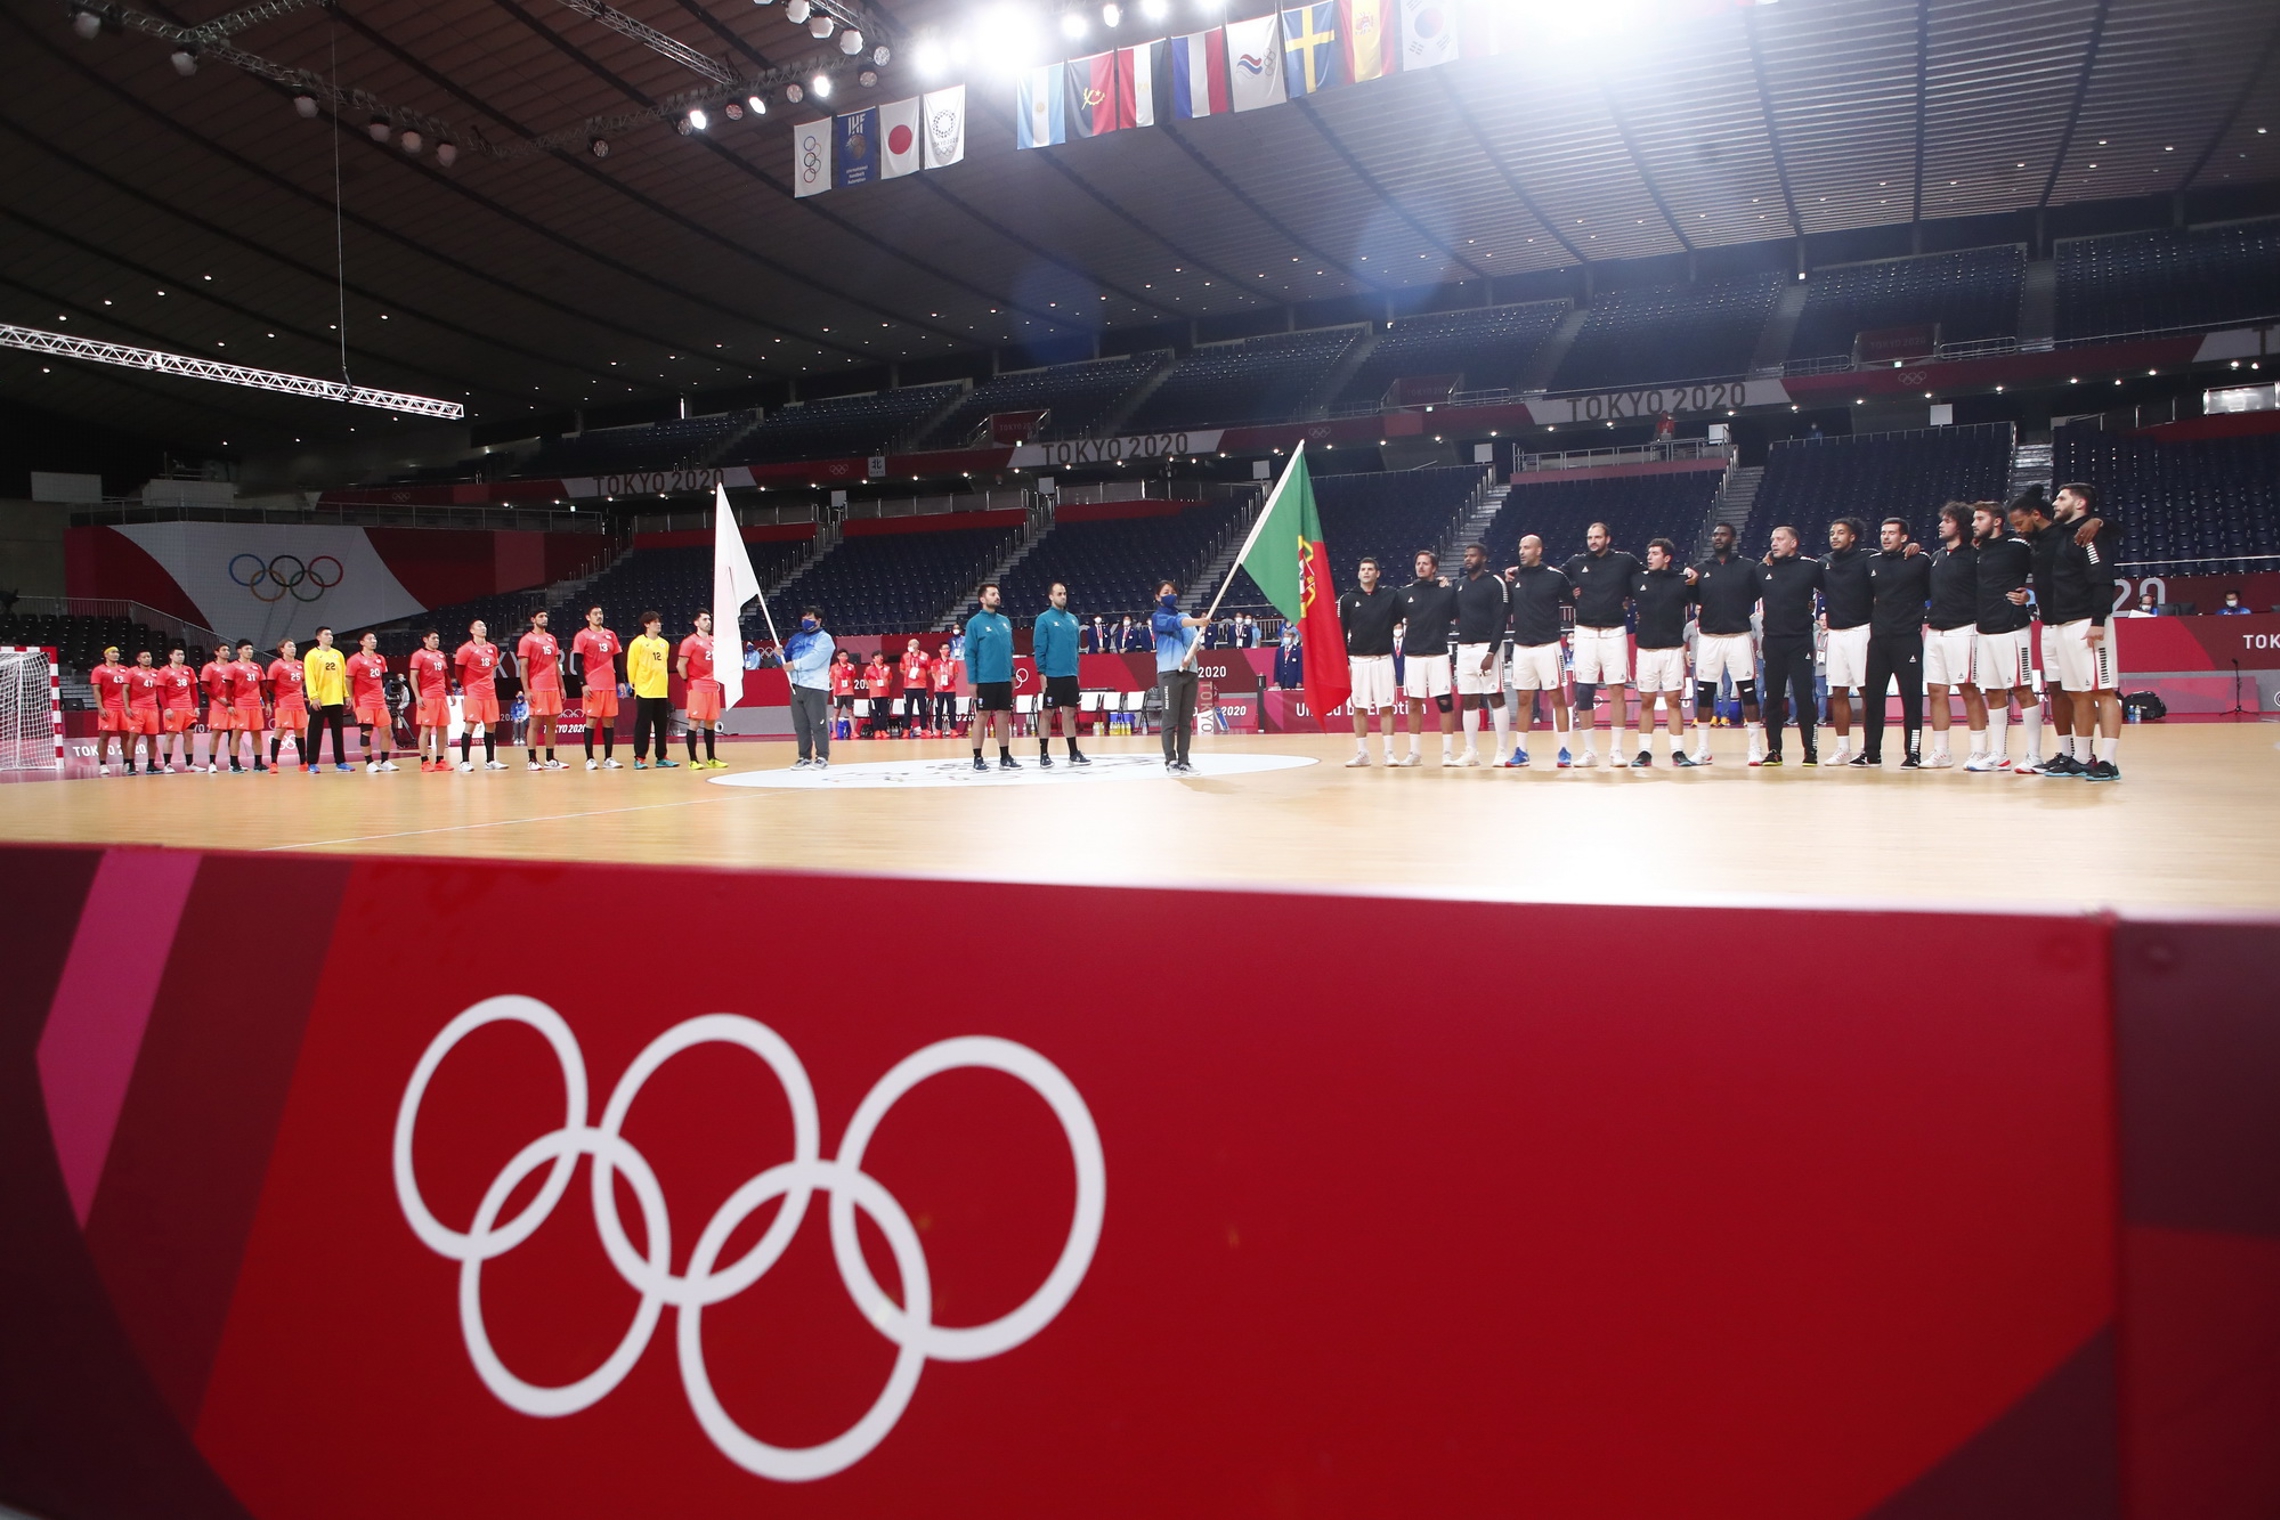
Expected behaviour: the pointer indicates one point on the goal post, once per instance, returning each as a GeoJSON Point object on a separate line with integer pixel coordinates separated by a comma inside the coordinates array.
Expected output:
{"type": "Point", "coordinates": [31, 709]}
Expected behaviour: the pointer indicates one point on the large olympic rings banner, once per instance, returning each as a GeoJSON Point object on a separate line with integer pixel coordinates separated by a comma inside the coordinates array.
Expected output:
{"type": "Point", "coordinates": [580, 1208]}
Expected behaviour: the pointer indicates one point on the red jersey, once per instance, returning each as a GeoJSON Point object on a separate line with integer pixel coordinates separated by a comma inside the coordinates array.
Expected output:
{"type": "Point", "coordinates": [599, 649]}
{"type": "Point", "coordinates": [478, 666]}
{"type": "Point", "coordinates": [178, 686]}
{"type": "Point", "coordinates": [285, 680]}
{"type": "Point", "coordinates": [428, 668]}
{"type": "Point", "coordinates": [245, 683]}
{"type": "Point", "coordinates": [215, 674]}
{"type": "Point", "coordinates": [697, 649]}
{"type": "Point", "coordinates": [914, 663]}
{"type": "Point", "coordinates": [842, 679]}
{"type": "Point", "coordinates": [142, 688]}
{"type": "Point", "coordinates": [368, 680]}
{"type": "Point", "coordinates": [878, 680]}
{"type": "Point", "coordinates": [945, 673]}
{"type": "Point", "coordinates": [110, 683]}
{"type": "Point", "coordinates": [541, 660]}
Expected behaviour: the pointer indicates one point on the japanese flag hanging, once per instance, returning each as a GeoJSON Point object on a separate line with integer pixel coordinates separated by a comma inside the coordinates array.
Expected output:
{"type": "Point", "coordinates": [811, 157]}
{"type": "Point", "coordinates": [900, 150]}
{"type": "Point", "coordinates": [945, 120]}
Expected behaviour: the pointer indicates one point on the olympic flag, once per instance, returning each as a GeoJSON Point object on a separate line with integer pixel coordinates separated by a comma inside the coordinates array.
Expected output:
{"type": "Point", "coordinates": [734, 584]}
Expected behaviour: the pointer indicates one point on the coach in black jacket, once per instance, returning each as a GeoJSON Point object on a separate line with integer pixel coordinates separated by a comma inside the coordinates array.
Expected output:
{"type": "Point", "coordinates": [1900, 583]}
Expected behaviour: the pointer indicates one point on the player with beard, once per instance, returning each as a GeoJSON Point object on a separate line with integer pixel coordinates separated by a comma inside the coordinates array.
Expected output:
{"type": "Point", "coordinates": [1368, 615]}
{"type": "Point", "coordinates": [1900, 583]}
{"type": "Point", "coordinates": [1725, 596]}
{"type": "Point", "coordinates": [1602, 579]}
{"type": "Point", "coordinates": [2032, 520]}
{"type": "Point", "coordinates": [1484, 614]}
{"type": "Point", "coordinates": [2076, 606]}
{"type": "Point", "coordinates": [1787, 582]}
{"type": "Point", "coordinates": [1539, 659]}
{"type": "Point", "coordinates": [1429, 609]}
{"type": "Point", "coordinates": [2001, 658]}
{"type": "Point", "coordinates": [1845, 599]}
{"type": "Point", "coordinates": [1949, 650]}
{"type": "Point", "coordinates": [2053, 529]}
{"type": "Point", "coordinates": [1661, 595]}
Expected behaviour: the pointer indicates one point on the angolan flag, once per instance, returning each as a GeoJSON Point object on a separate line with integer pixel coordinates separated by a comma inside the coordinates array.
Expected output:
{"type": "Point", "coordinates": [1287, 558]}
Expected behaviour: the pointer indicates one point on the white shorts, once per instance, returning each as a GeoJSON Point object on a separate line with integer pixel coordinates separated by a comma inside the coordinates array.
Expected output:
{"type": "Point", "coordinates": [1948, 656]}
{"type": "Point", "coordinates": [1372, 675]}
{"type": "Point", "coordinates": [2004, 660]}
{"type": "Point", "coordinates": [1425, 675]}
{"type": "Point", "coordinates": [1539, 667]}
{"type": "Point", "coordinates": [1602, 656]}
{"type": "Point", "coordinates": [1472, 681]}
{"type": "Point", "coordinates": [2081, 665]}
{"type": "Point", "coordinates": [2046, 646]}
{"type": "Point", "coordinates": [1661, 669]}
{"type": "Point", "coordinates": [1717, 655]}
{"type": "Point", "coordinates": [1847, 658]}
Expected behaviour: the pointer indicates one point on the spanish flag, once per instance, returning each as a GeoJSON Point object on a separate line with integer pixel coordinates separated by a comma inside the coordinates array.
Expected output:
{"type": "Point", "coordinates": [1368, 39]}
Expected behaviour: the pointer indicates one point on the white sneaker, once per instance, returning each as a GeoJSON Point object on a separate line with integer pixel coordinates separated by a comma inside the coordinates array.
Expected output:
{"type": "Point", "coordinates": [211, 769]}
{"type": "Point", "coordinates": [592, 764]}
{"type": "Point", "coordinates": [556, 765]}
{"type": "Point", "coordinates": [613, 765]}
{"type": "Point", "coordinates": [494, 765]}
{"type": "Point", "coordinates": [1843, 756]}
{"type": "Point", "coordinates": [1703, 756]}
{"type": "Point", "coordinates": [466, 765]}
{"type": "Point", "coordinates": [534, 765]}
{"type": "Point", "coordinates": [1940, 763]}
{"type": "Point", "coordinates": [1410, 760]}
{"type": "Point", "coordinates": [1359, 762]}
{"type": "Point", "coordinates": [1984, 763]}
{"type": "Point", "coordinates": [388, 765]}
{"type": "Point", "coordinates": [371, 767]}
{"type": "Point", "coordinates": [1587, 759]}
{"type": "Point", "coordinates": [1470, 760]}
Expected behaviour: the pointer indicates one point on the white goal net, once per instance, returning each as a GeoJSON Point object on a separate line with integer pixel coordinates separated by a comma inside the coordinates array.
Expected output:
{"type": "Point", "coordinates": [31, 713]}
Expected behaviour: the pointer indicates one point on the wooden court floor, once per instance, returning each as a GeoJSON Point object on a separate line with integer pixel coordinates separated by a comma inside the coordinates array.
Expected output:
{"type": "Point", "coordinates": [2194, 824]}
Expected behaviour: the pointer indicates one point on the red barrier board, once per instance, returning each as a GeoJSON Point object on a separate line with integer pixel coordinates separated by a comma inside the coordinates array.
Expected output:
{"type": "Point", "coordinates": [1803, 1243]}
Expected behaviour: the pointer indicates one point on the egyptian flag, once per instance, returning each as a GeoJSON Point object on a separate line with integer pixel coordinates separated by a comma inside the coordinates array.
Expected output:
{"type": "Point", "coordinates": [1143, 84]}
{"type": "Point", "coordinates": [1368, 26]}
{"type": "Point", "coordinates": [1037, 115]}
{"type": "Point", "coordinates": [1286, 556]}
{"type": "Point", "coordinates": [900, 150]}
{"type": "Point", "coordinates": [1091, 107]}
{"type": "Point", "coordinates": [1199, 74]}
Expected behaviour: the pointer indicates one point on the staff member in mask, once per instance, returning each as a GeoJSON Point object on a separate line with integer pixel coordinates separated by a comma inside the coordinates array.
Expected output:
{"type": "Point", "coordinates": [1175, 640]}
{"type": "Point", "coordinates": [807, 661]}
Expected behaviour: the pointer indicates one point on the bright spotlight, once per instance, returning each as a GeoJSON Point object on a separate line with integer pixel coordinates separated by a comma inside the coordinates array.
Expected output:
{"type": "Point", "coordinates": [1110, 14]}
{"type": "Point", "coordinates": [758, 106]}
{"type": "Point", "coordinates": [87, 24]}
{"type": "Point", "coordinates": [305, 105]}
{"type": "Point", "coordinates": [930, 59]}
{"type": "Point", "coordinates": [1073, 26]}
{"type": "Point", "coordinates": [797, 11]}
{"type": "Point", "coordinates": [1006, 38]}
{"type": "Point", "coordinates": [697, 120]}
{"type": "Point", "coordinates": [378, 129]}
{"type": "Point", "coordinates": [851, 42]}
{"type": "Point", "coordinates": [821, 26]}
{"type": "Point", "coordinates": [1154, 10]}
{"type": "Point", "coordinates": [185, 61]}
{"type": "Point", "coordinates": [821, 86]}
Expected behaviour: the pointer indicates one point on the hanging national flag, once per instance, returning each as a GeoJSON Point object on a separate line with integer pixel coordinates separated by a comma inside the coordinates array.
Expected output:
{"type": "Point", "coordinates": [1428, 33]}
{"type": "Point", "coordinates": [855, 148]}
{"type": "Point", "coordinates": [1368, 25]}
{"type": "Point", "coordinates": [1312, 57]}
{"type": "Point", "coordinates": [1037, 118]}
{"type": "Point", "coordinates": [1199, 74]}
{"type": "Point", "coordinates": [1143, 85]}
{"type": "Point", "coordinates": [811, 157]}
{"type": "Point", "coordinates": [1254, 63]}
{"type": "Point", "coordinates": [1287, 558]}
{"type": "Point", "coordinates": [1480, 28]}
{"type": "Point", "coordinates": [1091, 106]}
{"type": "Point", "coordinates": [900, 151]}
{"type": "Point", "coordinates": [945, 112]}
{"type": "Point", "coordinates": [734, 584]}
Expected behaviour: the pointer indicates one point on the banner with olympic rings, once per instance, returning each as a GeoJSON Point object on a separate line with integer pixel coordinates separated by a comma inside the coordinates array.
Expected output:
{"type": "Point", "coordinates": [271, 581]}
{"type": "Point", "coordinates": [613, 1219]}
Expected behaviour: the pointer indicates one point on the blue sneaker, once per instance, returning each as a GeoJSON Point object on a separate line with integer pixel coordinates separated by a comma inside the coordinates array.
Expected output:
{"type": "Point", "coordinates": [344, 767]}
{"type": "Point", "coordinates": [1518, 761]}
{"type": "Point", "coordinates": [1565, 762]}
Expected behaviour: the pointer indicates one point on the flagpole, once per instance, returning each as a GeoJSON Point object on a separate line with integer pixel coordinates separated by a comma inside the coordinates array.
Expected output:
{"type": "Point", "coordinates": [1266, 509]}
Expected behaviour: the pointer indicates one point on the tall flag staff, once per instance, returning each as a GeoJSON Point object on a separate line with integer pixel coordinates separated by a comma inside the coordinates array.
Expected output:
{"type": "Point", "coordinates": [1286, 556]}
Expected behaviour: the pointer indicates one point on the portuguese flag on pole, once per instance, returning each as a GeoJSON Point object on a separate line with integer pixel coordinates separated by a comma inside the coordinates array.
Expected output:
{"type": "Point", "coordinates": [1286, 557]}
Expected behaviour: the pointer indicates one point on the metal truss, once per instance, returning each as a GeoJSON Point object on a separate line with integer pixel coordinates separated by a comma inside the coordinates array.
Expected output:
{"type": "Point", "coordinates": [63, 345]}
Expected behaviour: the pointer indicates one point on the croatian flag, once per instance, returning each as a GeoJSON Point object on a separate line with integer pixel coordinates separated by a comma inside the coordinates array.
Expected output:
{"type": "Point", "coordinates": [1254, 62]}
{"type": "Point", "coordinates": [1091, 106]}
{"type": "Point", "coordinates": [734, 584]}
{"type": "Point", "coordinates": [1428, 33]}
{"type": "Point", "coordinates": [900, 151]}
{"type": "Point", "coordinates": [1199, 74]}
{"type": "Point", "coordinates": [1143, 85]}
{"type": "Point", "coordinates": [1037, 109]}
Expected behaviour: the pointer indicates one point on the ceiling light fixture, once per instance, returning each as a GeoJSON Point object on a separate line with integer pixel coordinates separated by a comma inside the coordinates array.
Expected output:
{"type": "Point", "coordinates": [758, 105]}
{"type": "Point", "coordinates": [821, 26]}
{"type": "Point", "coordinates": [851, 42]}
{"type": "Point", "coordinates": [305, 105]}
{"type": "Point", "coordinates": [185, 60]}
{"type": "Point", "coordinates": [32, 340]}
{"type": "Point", "coordinates": [378, 129]}
{"type": "Point", "coordinates": [87, 24]}
{"type": "Point", "coordinates": [447, 153]}
{"type": "Point", "coordinates": [797, 11]}
{"type": "Point", "coordinates": [820, 86]}
{"type": "Point", "coordinates": [411, 142]}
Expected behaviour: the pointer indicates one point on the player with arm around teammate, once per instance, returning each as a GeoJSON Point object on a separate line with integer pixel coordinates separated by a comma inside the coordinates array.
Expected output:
{"type": "Point", "coordinates": [1661, 593]}
{"type": "Point", "coordinates": [1428, 612]}
{"type": "Point", "coordinates": [1725, 598]}
{"type": "Point", "coordinates": [1367, 615]}
{"type": "Point", "coordinates": [1952, 637]}
{"type": "Point", "coordinates": [1602, 578]}
{"type": "Point", "coordinates": [540, 655]}
{"type": "Point", "coordinates": [1539, 653]}
{"type": "Point", "coordinates": [2080, 603]}
{"type": "Point", "coordinates": [178, 709]}
{"type": "Point", "coordinates": [1484, 618]}
{"type": "Point", "coordinates": [2002, 656]}
{"type": "Point", "coordinates": [1900, 586]}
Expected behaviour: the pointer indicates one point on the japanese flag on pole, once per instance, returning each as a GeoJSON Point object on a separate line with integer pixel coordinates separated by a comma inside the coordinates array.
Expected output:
{"type": "Point", "coordinates": [1255, 62]}
{"type": "Point", "coordinates": [945, 112]}
{"type": "Point", "coordinates": [811, 157]}
{"type": "Point", "coordinates": [900, 150]}
{"type": "Point", "coordinates": [734, 584]}
{"type": "Point", "coordinates": [1428, 33]}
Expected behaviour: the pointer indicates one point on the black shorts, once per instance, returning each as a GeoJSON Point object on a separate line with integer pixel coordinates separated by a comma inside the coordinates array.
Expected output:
{"type": "Point", "coordinates": [993, 696]}
{"type": "Point", "coordinates": [844, 703]}
{"type": "Point", "coordinates": [1061, 691]}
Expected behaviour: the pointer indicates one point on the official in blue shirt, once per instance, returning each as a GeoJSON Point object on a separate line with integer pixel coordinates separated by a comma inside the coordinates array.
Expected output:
{"type": "Point", "coordinates": [1054, 642]}
{"type": "Point", "coordinates": [989, 665]}
{"type": "Point", "coordinates": [1175, 636]}
{"type": "Point", "coordinates": [807, 663]}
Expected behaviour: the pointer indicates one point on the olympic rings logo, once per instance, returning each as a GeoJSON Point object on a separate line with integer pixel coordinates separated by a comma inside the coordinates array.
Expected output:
{"type": "Point", "coordinates": [288, 574]}
{"type": "Point", "coordinates": [648, 1272]}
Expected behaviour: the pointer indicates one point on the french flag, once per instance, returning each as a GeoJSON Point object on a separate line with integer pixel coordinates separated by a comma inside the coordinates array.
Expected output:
{"type": "Point", "coordinates": [1199, 74]}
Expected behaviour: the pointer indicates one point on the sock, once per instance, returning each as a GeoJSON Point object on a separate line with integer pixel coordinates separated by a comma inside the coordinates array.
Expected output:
{"type": "Point", "coordinates": [2066, 743]}
{"type": "Point", "coordinates": [977, 749]}
{"type": "Point", "coordinates": [1005, 752]}
{"type": "Point", "coordinates": [1618, 740]}
{"type": "Point", "coordinates": [590, 740]}
{"type": "Point", "coordinates": [1417, 742]}
{"type": "Point", "coordinates": [1045, 744]}
{"type": "Point", "coordinates": [1448, 744]}
{"type": "Point", "coordinates": [1472, 730]}
{"type": "Point", "coordinates": [550, 754]}
{"type": "Point", "coordinates": [710, 735]}
{"type": "Point", "coordinates": [466, 745]}
{"type": "Point", "coordinates": [1940, 744]}
{"type": "Point", "coordinates": [2108, 748]}
{"type": "Point", "coordinates": [609, 743]}
{"type": "Point", "coordinates": [1362, 745]}
{"type": "Point", "coordinates": [2030, 718]}
{"type": "Point", "coordinates": [690, 735]}
{"type": "Point", "coordinates": [1072, 743]}
{"type": "Point", "coordinates": [490, 747]}
{"type": "Point", "coordinates": [274, 746]}
{"type": "Point", "coordinates": [1501, 719]}
{"type": "Point", "coordinates": [1385, 737]}
{"type": "Point", "coordinates": [1757, 738]}
{"type": "Point", "coordinates": [532, 750]}
{"type": "Point", "coordinates": [1998, 742]}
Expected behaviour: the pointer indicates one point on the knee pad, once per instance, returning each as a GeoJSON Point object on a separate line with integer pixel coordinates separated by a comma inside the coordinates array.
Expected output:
{"type": "Point", "coordinates": [1586, 694]}
{"type": "Point", "coordinates": [1747, 691]}
{"type": "Point", "coordinates": [1444, 703]}
{"type": "Point", "coordinates": [1705, 695]}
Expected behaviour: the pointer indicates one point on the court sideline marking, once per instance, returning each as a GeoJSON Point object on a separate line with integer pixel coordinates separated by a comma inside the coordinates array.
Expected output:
{"type": "Point", "coordinates": [495, 823]}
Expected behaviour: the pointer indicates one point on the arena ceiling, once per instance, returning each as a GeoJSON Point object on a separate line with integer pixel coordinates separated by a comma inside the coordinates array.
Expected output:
{"type": "Point", "coordinates": [682, 263]}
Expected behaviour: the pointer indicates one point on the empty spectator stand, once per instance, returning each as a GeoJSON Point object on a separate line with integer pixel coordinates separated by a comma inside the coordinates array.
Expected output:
{"type": "Point", "coordinates": [1969, 295]}
{"type": "Point", "coordinates": [1388, 517]}
{"type": "Point", "coordinates": [667, 445]}
{"type": "Point", "coordinates": [79, 641]}
{"type": "Point", "coordinates": [1112, 554]}
{"type": "Point", "coordinates": [1636, 508]}
{"type": "Point", "coordinates": [1489, 349]}
{"type": "Point", "coordinates": [1810, 482]}
{"type": "Point", "coordinates": [843, 425]}
{"type": "Point", "coordinates": [1075, 395]}
{"type": "Point", "coordinates": [2152, 281]}
{"type": "Point", "coordinates": [1255, 380]}
{"type": "Point", "coordinates": [2207, 506]}
{"type": "Point", "coordinates": [1658, 333]}
{"type": "Point", "coordinates": [888, 575]}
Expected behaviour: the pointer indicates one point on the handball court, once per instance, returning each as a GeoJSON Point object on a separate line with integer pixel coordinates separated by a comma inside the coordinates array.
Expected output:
{"type": "Point", "coordinates": [2191, 826]}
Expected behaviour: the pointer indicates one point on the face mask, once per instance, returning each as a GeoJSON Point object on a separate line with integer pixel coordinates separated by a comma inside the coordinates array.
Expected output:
{"type": "Point", "coordinates": [807, 625]}
{"type": "Point", "coordinates": [1168, 603]}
